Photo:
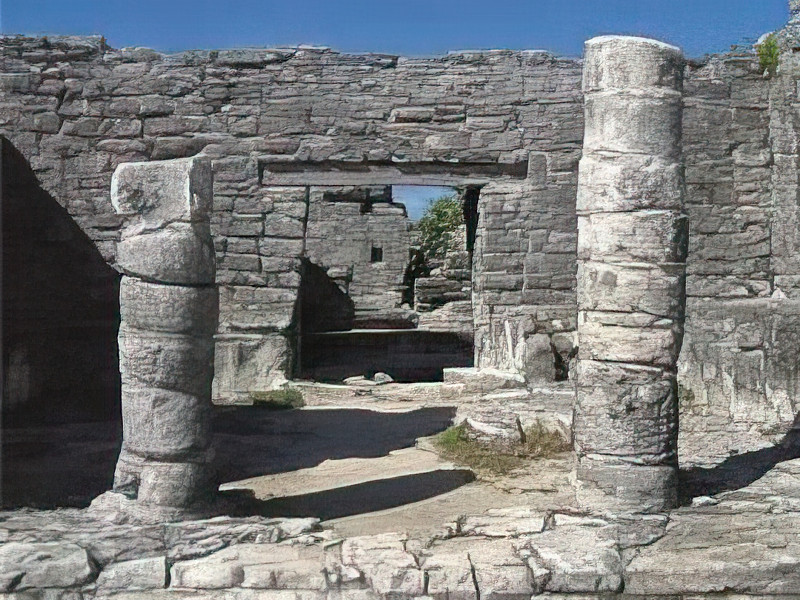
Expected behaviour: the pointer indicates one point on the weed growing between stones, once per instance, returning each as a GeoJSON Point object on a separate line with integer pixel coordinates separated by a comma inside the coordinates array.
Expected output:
{"type": "Point", "coordinates": [278, 399]}
{"type": "Point", "coordinates": [498, 457]}
{"type": "Point", "coordinates": [769, 54]}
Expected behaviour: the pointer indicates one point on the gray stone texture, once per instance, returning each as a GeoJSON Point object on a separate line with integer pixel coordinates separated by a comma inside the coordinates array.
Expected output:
{"type": "Point", "coordinates": [631, 279]}
{"type": "Point", "coordinates": [76, 109]}
{"type": "Point", "coordinates": [166, 346]}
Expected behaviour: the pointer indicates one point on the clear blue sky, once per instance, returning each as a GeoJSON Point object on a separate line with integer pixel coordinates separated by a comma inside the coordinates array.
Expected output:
{"type": "Point", "coordinates": [409, 27]}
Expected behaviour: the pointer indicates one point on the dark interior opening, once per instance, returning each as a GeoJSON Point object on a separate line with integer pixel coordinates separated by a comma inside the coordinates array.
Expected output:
{"type": "Point", "coordinates": [376, 254]}
{"type": "Point", "coordinates": [60, 304]}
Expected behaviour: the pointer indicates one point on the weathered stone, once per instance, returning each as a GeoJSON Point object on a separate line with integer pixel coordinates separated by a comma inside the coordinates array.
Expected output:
{"type": "Point", "coordinates": [175, 362]}
{"type": "Point", "coordinates": [620, 183]}
{"type": "Point", "coordinates": [626, 486]}
{"type": "Point", "coordinates": [387, 567]}
{"type": "Point", "coordinates": [168, 308]}
{"type": "Point", "coordinates": [632, 288]}
{"type": "Point", "coordinates": [180, 254]}
{"type": "Point", "coordinates": [631, 277]}
{"type": "Point", "coordinates": [25, 566]}
{"type": "Point", "coordinates": [179, 190]}
{"type": "Point", "coordinates": [141, 574]}
{"type": "Point", "coordinates": [166, 375]}
{"type": "Point", "coordinates": [640, 125]}
{"type": "Point", "coordinates": [176, 484]}
{"type": "Point", "coordinates": [648, 236]}
{"type": "Point", "coordinates": [161, 423]}
{"type": "Point", "coordinates": [640, 423]}
{"type": "Point", "coordinates": [610, 59]}
{"type": "Point", "coordinates": [629, 338]}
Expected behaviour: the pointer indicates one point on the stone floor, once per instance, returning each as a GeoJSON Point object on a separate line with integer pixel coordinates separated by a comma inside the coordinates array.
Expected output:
{"type": "Point", "coordinates": [501, 537]}
{"type": "Point", "coordinates": [745, 542]}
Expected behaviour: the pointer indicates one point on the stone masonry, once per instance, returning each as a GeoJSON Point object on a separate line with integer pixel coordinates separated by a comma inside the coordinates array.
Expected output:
{"type": "Point", "coordinates": [632, 237]}
{"type": "Point", "coordinates": [278, 123]}
{"type": "Point", "coordinates": [168, 304]}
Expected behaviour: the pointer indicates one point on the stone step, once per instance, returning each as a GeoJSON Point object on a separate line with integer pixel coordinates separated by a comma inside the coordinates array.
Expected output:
{"type": "Point", "coordinates": [343, 473]}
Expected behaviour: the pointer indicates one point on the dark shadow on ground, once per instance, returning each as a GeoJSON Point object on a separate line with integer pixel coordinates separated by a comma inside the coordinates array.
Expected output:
{"type": "Point", "coordinates": [58, 465]}
{"type": "Point", "coordinates": [357, 499]}
{"type": "Point", "coordinates": [252, 441]}
{"type": "Point", "coordinates": [69, 465]}
{"type": "Point", "coordinates": [738, 471]}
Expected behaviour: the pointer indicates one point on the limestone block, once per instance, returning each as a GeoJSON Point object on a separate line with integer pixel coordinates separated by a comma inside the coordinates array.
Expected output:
{"type": "Point", "coordinates": [168, 308]}
{"type": "Point", "coordinates": [387, 567]}
{"type": "Point", "coordinates": [172, 484]}
{"type": "Point", "coordinates": [162, 423]}
{"type": "Point", "coordinates": [164, 191]}
{"type": "Point", "coordinates": [483, 380]}
{"type": "Point", "coordinates": [633, 124]}
{"type": "Point", "coordinates": [176, 362]}
{"type": "Point", "coordinates": [179, 253]}
{"type": "Point", "coordinates": [261, 566]}
{"type": "Point", "coordinates": [25, 566]}
{"type": "Point", "coordinates": [608, 61]}
{"type": "Point", "coordinates": [622, 486]}
{"type": "Point", "coordinates": [650, 236]}
{"type": "Point", "coordinates": [128, 472]}
{"type": "Point", "coordinates": [629, 338]}
{"type": "Point", "coordinates": [656, 290]}
{"type": "Point", "coordinates": [626, 410]}
{"type": "Point", "coordinates": [140, 574]}
{"type": "Point", "coordinates": [538, 362]}
{"type": "Point", "coordinates": [578, 558]}
{"type": "Point", "coordinates": [616, 183]}
{"type": "Point", "coordinates": [249, 362]}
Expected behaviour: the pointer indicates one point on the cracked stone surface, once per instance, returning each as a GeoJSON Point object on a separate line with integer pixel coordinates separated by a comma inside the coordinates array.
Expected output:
{"type": "Point", "coordinates": [744, 542]}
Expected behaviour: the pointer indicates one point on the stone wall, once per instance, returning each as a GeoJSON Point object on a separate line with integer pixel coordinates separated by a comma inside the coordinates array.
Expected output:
{"type": "Point", "coordinates": [281, 123]}
{"type": "Point", "coordinates": [362, 240]}
{"type": "Point", "coordinates": [276, 122]}
{"type": "Point", "coordinates": [738, 387]}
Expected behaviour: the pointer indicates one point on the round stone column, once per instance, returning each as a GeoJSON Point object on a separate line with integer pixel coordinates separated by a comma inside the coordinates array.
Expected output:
{"type": "Point", "coordinates": [632, 239]}
{"type": "Point", "coordinates": [168, 307]}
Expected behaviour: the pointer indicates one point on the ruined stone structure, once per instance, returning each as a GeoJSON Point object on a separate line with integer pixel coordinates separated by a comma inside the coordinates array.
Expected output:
{"type": "Point", "coordinates": [679, 221]}
{"type": "Point", "coordinates": [362, 239]}
{"type": "Point", "coordinates": [168, 304]}
{"type": "Point", "coordinates": [283, 126]}
{"type": "Point", "coordinates": [632, 237]}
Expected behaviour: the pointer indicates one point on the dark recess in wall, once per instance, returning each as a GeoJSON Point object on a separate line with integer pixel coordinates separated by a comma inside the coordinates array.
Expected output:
{"type": "Point", "coordinates": [60, 310]}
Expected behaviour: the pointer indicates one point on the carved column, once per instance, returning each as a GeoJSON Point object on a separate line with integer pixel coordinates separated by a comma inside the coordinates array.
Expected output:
{"type": "Point", "coordinates": [632, 238]}
{"type": "Point", "coordinates": [168, 305]}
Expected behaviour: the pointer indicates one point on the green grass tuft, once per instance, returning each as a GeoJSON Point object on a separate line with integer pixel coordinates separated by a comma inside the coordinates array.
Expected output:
{"type": "Point", "coordinates": [499, 457]}
{"type": "Point", "coordinates": [769, 54]}
{"type": "Point", "coordinates": [278, 399]}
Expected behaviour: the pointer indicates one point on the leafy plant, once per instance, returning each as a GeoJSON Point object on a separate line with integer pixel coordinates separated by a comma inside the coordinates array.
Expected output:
{"type": "Point", "coordinates": [769, 54]}
{"type": "Point", "coordinates": [442, 217]}
{"type": "Point", "coordinates": [278, 399]}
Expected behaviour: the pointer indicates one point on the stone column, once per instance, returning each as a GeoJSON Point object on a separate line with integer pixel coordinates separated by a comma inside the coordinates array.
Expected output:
{"type": "Point", "coordinates": [632, 238]}
{"type": "Point", "coordinates": [794, 11]}
{"type": "Point", "coordinates": [168, 305]}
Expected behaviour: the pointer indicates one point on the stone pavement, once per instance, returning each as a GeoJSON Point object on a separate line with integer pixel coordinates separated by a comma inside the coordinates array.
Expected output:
{"type": "Point", "coordinates": [744, 542]}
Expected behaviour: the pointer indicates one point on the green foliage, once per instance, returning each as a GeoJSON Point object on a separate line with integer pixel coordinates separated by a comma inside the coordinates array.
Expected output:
{"type": "Point", "coordinates": [442, 217]}
{"type": "Point", "coordinates": [498, 457]}
{"type": "Point", "coordinates": [769, 54]}
{"type": "Point", "coordinates": [278, 399]}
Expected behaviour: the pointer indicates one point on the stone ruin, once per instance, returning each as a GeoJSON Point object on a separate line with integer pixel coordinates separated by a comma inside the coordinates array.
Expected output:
{"type": "Point", "coordinates": [633, 282]}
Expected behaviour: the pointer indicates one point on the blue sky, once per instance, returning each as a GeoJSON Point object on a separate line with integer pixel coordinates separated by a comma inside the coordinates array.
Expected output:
{"type": "Point", "coordinates": [409, 27]}
{"type": "Point", "coordinates": [417, 197]}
